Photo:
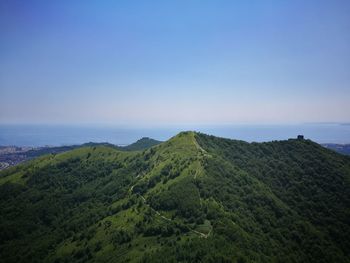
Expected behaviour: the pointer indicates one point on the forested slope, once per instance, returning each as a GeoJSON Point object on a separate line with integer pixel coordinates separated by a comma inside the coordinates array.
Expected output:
{"type": "Point", "coordinates": [194, 198]}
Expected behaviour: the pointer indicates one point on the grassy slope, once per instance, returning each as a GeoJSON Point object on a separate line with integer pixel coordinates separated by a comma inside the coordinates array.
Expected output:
{"type": "Point", "coordinates": [21, 157]}
{"type": "Point", "coordinates": [192, 198]}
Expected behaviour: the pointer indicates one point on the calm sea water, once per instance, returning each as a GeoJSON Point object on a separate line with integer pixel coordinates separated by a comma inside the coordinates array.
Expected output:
{"type": "Point", "coordinates": [54, 135]}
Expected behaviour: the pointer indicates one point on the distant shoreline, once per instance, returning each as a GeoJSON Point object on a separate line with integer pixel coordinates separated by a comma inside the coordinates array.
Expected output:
{"type": "Point", "coordinates": [64, 135]}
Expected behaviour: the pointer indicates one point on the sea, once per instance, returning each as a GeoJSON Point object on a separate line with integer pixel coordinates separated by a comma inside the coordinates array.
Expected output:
{"type": "Point", "coordinates": [59, 135]}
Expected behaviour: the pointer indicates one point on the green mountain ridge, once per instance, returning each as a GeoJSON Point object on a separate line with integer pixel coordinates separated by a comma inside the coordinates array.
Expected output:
{"type": "Point", "coordinates": [141, 144]}
{"type": "Point", "coordinates": [12, 158]}
{"type": "Point", "coordinates": [193, 198]}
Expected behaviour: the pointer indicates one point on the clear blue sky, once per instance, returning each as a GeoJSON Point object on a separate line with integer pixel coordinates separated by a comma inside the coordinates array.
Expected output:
{"type": "Point", "coordinates": [167, 62]}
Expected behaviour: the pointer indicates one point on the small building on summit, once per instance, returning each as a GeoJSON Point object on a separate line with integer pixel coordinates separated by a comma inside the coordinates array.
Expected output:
{"type": "Point", "coordinates": [300, 137]}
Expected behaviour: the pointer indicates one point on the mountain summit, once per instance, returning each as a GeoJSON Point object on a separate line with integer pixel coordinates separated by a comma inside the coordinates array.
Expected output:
{"type": "Point", "coordinates": [193, 198]}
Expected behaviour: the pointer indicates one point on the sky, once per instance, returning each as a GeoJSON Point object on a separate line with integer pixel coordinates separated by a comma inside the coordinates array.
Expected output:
{"type": "Point", "coordinates": [169, 62]}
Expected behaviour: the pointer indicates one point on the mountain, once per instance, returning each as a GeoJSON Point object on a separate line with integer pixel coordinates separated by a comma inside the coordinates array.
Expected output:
{"type": "Point", "coordinates": [12, 155]}
{"type": "Point", "coordinates": [193, 198]}
{"type": "Point", "coordinates": [141, 144]}
{"type": "Point", "coordinates": [340, 148]}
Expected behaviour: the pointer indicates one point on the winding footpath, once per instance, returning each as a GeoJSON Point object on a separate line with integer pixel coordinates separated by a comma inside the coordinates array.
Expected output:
{"type": "Point", "coordinates": [166, 218]}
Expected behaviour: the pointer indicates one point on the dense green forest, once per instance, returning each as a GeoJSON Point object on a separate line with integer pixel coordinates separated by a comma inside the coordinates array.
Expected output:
{"type": "Point", "coordinates": [193, 198]}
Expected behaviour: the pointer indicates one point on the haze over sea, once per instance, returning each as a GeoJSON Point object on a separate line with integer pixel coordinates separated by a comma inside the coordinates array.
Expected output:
{"type": "Point", "coordinates": [56, 135]}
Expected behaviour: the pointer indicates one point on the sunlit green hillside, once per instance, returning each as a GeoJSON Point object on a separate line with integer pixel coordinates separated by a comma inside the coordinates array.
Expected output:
{"type": "Point", "coordinates": [193, 198]}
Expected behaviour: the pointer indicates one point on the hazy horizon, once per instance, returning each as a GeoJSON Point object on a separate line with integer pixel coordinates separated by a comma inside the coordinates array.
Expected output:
{"type": "Point", "coordinates": [185, 62]}
{"type": "Point", "coordinates": [58, 135]}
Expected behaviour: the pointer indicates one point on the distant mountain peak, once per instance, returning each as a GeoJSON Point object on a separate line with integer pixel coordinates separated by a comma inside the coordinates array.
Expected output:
{"type": "Point", "coordinates": [141, 144]}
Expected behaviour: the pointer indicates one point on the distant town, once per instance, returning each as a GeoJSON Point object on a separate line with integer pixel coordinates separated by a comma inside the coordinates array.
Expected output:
{"type": "Point", "coordinates": [340, 148]}
{"type": "Point", "coordinates": [12, 155]}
